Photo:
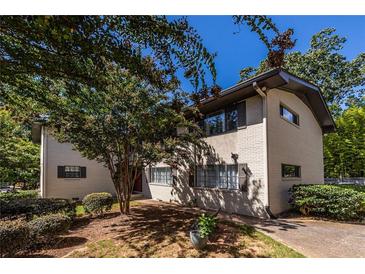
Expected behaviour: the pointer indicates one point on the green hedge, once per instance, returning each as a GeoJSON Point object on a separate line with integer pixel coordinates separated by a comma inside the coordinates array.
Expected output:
{"type": "Point", "coordinates": [15, 208]}
{"type": "Point", "coordinates": [98, 202]}
{"type": "Point", "coordinates": [20, 194]}
{"type": "Point", "coordinates": [46, 228]}
{"type": "Point", "coordinates": [19, 235]}
{"type": "Point", "coordinates": [341, 202]}
{"type": "Point", "coordinates": [14, 236]}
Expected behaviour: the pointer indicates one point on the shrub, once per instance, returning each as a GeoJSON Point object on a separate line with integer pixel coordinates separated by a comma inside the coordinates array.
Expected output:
{"type": "Point", "coordinates": [98, 202]}
{"type": "Point", "coordinates": [46, 228]}
{"type": "Point", "coordinates": [20, 194]}
{"type": "Point", "coordinates": [14, 236]}
{"type": "Point", "coordinates": [36, 206]}
{"type": "Point", "coordinates": [332, 201]}
{"type": "Point", "coordinates": [206, 224]}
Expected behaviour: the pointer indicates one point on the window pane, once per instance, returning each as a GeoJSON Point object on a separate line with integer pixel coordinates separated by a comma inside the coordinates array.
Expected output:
{"type": "Point", "coordinates": [231, 119]}
{"type": "Point", "coordinates": [161, 175]}
{"type": "Point", "coordinates": [232, 176]}
{"type": "Point", "coordinates": [214, 124]}
{"type": "Point", "coordinates": [72, 172]}
{"type": "Point", "coordinates": [289, 115]}
{"type": "Point", "coordinates": [290, 171]}
{"type": "Point", "coordinates": [217, 176]}
{"type": "Point", "coordinates": [200, 177]}
{"type": "Point", "coordinates": [222, 180]}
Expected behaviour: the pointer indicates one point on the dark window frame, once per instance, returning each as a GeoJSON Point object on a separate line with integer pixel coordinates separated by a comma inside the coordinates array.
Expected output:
{"type": "Point", "coordinates": [296, 173]}
{"type": "Point", "coordinates": [225, 112]}
{"type": "Point", "coordinates": [295, 116]}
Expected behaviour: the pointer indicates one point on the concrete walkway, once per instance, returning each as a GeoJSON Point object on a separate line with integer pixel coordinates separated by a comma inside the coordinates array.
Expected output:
{"type": "Point", "coordinates": [313, 238]}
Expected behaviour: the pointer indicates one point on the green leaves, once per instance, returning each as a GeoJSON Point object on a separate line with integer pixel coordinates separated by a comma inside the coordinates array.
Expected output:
{"type": "Point", "coordinates": [339, 79]}
{"type": "Point", "coordinates": [19, 157]}
{"type": "Point", "coordinates": [206, 224]}
{"type": "Point", "coordinates": [333, 201]}
{"type": "Point", "coordinates": [79, 49]}
{"type": "Point", "coordinates": [344, 150]}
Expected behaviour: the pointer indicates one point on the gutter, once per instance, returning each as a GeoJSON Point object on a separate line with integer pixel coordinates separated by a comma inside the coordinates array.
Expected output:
{"type": "Point", "coordinates": [261, 92]}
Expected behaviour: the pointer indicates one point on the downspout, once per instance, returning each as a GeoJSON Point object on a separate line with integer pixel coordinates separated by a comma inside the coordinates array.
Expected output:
{"type": "Point", "coordinates": [261, 92]}
{"type": "Point", "coordinates": [43, 171]}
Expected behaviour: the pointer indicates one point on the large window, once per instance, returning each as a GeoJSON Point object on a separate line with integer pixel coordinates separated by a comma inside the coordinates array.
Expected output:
{"type": "Point", "coordinates": [290, 171]}
{"type": "Point", "coordinates": [217, 176]}
{"type": "Point", "coordinates": [221, 121]}
{"type": "Point", "coordinates": [161, 175]}
{"type": "Point", "coordinates": [289, 115]}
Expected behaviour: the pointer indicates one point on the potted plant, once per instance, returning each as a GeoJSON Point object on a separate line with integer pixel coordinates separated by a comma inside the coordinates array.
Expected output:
{"type": "Point", "coordinates": [202, 229]}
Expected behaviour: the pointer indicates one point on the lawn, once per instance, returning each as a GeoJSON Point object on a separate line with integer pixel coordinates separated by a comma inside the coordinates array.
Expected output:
{"type": "Point", "coordinates": [160, 230]}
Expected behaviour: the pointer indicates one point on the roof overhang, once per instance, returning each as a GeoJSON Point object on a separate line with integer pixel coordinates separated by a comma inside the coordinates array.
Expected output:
{"type": "Point", "coordinates": [276, 78]}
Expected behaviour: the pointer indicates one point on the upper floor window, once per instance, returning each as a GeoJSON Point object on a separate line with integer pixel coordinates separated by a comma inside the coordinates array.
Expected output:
{"type": "Point", "coordinates": [221, 121]}
{"type": "Point", "coordinates": [161, 175]}
{"type": "Point", "coordinates": [289, 115]}
{"type": "Point", "coordinates": [290, 171]}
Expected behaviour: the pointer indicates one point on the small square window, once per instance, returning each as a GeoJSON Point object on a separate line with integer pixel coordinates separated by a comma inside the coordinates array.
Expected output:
{"type": "Point", "coordinates": [290, 171]}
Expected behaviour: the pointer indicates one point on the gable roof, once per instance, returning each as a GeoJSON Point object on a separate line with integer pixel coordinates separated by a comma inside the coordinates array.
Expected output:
{"type": "Point", "coordinates": [276, 78]}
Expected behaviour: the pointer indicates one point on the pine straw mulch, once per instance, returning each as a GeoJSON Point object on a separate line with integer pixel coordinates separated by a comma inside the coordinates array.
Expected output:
{"type": "Point", "coordinates": [158, 230]}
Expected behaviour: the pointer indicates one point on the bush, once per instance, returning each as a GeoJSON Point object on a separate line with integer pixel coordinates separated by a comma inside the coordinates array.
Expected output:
{"type": "Point", "coordinates": [14, 236]}
{"type": "Point", "coordinates": [46, 228]}
{"type": "Point", "coordinates": [206, 224]}
{"type": "Point", "coordinates": [341, 202]}
{"type": "Point", "coordinates": [38, 206]}
{"type": "Point", "coordinates": [21, 194]}
{"type": "Point", "coordinates": [98, 202]}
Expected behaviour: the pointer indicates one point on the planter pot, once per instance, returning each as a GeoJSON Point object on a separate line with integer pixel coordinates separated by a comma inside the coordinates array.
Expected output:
{"type": "Point", "coordinates": [197, 241]}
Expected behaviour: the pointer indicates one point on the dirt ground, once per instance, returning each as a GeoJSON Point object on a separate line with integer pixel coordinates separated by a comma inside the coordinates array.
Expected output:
{"type": "Point", "coordinates": [158, 230]}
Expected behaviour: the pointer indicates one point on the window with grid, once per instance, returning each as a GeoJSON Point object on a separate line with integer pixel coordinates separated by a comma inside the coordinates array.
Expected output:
{"type": "Point", "coordinates": [72, 172]}
{"type": "Point", "coordinates": [217, 176]}
{"type": "Point", "coordinates": [161, 175]}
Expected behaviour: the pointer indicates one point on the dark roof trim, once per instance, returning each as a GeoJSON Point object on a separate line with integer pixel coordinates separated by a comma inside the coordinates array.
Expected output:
{"type": "Point", "coordinates": [276, 78]}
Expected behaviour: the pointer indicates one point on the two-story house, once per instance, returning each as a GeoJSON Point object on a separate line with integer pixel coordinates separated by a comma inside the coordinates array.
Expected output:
{"type": "Point", "coordinates": [266, 132]}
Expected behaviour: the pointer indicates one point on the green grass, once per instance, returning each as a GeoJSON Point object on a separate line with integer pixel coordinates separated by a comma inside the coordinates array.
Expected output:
{"type": "Point", "coordinates": [275, 249]}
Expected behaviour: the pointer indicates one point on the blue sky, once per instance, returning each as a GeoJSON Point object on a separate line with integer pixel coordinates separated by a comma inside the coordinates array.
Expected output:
{"type": "Point", "coordinates": [243, 49]}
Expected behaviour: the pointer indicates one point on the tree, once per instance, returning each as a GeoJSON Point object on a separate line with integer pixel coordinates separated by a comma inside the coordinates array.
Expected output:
{"type": "Point", "coordinates": [19, 157]}
{"type": "Point", "coordinates": [344, 150]}
{"type": "Point", "coordinates": [109, 85]}
{"type": "Point", "coordinates": [127, 126]}
{"type": "Point", "coordinates": [277, 46]}
{"type": "Point", "coordinates": [340, 79]}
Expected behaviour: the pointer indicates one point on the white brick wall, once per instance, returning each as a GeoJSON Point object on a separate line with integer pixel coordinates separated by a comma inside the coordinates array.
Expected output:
{"type": "Point", "coordinates": [247, 143]}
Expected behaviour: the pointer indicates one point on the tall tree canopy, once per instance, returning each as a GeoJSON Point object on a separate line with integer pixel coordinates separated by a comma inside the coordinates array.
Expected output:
{"type": "Point", "coordinates": [344, 150]}
{"type": "Point", "coordinates": [323, 64]}
{"type": "Point", "coordinates": [109, 84]}
{"type": "Point", "coordinates": [19, 157]}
